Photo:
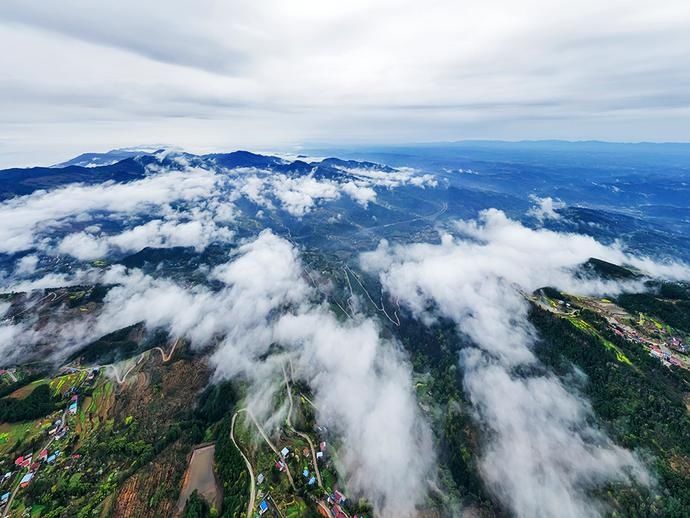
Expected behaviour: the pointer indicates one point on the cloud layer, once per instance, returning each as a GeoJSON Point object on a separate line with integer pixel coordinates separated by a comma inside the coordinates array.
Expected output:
{"type": "Point", "coordinates": [544, 454]}
{"type": "Point", "coordinates": [175, 204]}
{"type": "Point", "coordinates": [265, 75]}
{"type": "Point", "coordinates": [361, 382]}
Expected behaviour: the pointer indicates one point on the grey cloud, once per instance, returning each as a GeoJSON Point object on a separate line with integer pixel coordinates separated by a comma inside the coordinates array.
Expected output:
{"type": "Point", "coordinates": [167, 38]}
{"type": "Point", "coordinates": [320, 72]}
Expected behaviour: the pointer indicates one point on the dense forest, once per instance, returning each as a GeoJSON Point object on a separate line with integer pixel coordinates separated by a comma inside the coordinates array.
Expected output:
{"type": "Point", "coordinates": [641, 405]}
{"type": "Point", "coordinates": [37, 404]}
{"type": "Point", "coordinates": [196, 507]}
{"type": "Point", "coordinates": [675, 313]}
{"type": "Point", "coordinates": [232, 472]}
{"type": "Point", "coordinates": [434, 352]}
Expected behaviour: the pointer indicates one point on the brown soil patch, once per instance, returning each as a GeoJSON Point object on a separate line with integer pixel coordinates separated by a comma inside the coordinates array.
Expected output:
{"type": "Point", "coordinates": [153, 490]}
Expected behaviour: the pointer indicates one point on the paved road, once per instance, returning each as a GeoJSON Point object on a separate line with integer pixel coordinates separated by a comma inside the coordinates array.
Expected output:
{"type": "Point", "coordinates": [252, 495]}
{"type": "Point", "coordinates": [120, 381]}
{"type": "Point", "coordinates": [273, 447]}
{"type": "Point", "coordinates": [166, 356]}
{"type": "Point", "coordinates": [304, 436]}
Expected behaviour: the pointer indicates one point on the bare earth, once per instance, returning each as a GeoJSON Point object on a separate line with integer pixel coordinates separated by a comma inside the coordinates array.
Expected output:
{"type": "Point", "coordinates": [200, 476]}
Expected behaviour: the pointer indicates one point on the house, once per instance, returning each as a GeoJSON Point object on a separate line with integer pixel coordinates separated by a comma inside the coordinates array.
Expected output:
{"type": "Point", "coordinates": [43, 455]}
{"type": "Point", "coordinates": [51, 459]}
{"type": "Point", "coordinates": [305, 452]}
{"type": "Point", "coordinates": [284, 452]}
{"type": "Point", "coordinates": [260, 478]}
{"type": "Point", "coordinates": [263, 507]}
{"type": "Point", "coordinates": [322, 446]}
{"type": "Point", "coordinates": [312, 481]}
{"type": "Point", "coordinates": [339, 497]}
{"type": "Point", "coordinates": [319, 454]}
{"type": "Point", "coordinates": [26, 479]}
{"type": "Point", "coordinates": [305, 473]}
{"type": "Point", "coordinates": [73, 408]}
{"type": "Point", "coordinates": [4, 498]}
{"type": "Point", "coordinates": [280, 466]}
{"type": "Point", "coordinates": [7, 475]}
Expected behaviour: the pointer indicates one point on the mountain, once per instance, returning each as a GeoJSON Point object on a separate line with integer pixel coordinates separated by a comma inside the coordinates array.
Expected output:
{"type": "Point", "coordinates": [418, 331]}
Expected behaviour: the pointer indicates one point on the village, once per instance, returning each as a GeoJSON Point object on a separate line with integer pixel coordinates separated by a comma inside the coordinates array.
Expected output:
{"type": "Point", "coordinates": [660, 340]}
{"type": "Point", "coordinates": [298, 471]}
{"type": "Point", "coordinates": [291, 470]}
{"type": "Point", "coordinates": [49, 439]}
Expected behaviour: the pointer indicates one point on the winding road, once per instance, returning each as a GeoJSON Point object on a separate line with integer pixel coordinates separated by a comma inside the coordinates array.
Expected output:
{"type": "Point", "coordinates": [252, 494]}
{"type": "Point", "coordinates": [288, 421]}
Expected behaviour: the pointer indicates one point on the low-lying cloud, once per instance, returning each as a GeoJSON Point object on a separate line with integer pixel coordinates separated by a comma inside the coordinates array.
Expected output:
{"type": "Point", "coordinates": [545, 208]}
{"type": "Point", "coordinates": [544, 454]}
{"type": "Point", "coordinates": [361, 382]}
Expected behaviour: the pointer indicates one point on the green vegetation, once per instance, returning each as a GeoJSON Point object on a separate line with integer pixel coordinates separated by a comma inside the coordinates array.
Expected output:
{"type": "Point", "coordinates": [642, 406]}
{"type": "Point", "coordinates": [110, 348]}
{"type": "Point", "coordinates": [9, 386]}
{"type": "Point", "coordinates": [585, 327]}
{"type": "Point", "coordinates": [434, 351]}
{"type": "Point", "coordinates": [196, 507]}
{"type": "Point", "coordinates": [38, 404]}
{"type": "Point", "coordinates": [607, 270]}
{"type": "Point", "coordinates": [232, 472]}
{"type": "Point", "coordinates": [675, 313]}
{"type": "Point", "coordinates": [216, 401]}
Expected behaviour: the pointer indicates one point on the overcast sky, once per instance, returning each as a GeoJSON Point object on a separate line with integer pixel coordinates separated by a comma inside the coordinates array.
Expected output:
{"type": "Point", "coordinates": [274, 75]}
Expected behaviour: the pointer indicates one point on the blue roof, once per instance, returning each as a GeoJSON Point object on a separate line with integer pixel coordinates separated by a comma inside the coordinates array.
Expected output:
{"type": "Point", "coordinates": [27, 478]}
{"type": "Point", "coordinates": [305, 473]}
{"type": "Point", "coordinates": [263, 505]}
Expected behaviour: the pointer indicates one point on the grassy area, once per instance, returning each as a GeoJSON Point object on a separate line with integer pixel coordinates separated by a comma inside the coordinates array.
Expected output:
{"type": "Point", "coordinates": [295, 509]}
{"type": "Point", "coordinates": [95, 408]}
{"type": "Point", "coordinates": [11, 433]}
{"type": "Point", "coordinates": [587, 328]}
{"type": "Point", "coordinates": [62, 384]}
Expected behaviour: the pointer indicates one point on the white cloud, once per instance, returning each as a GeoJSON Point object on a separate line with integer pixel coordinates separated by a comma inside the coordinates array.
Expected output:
{"type": "Point", "coordinates": [300, 194]}
{"type": "Point", "coordinates": [545, 208]}
{"type": "Point", "coordinates": [360, 192]}
{"type": "Point", "coordinates": [361, 383]}
{"type": "Point", "coordinates": [83, 246]}
{"type": "Point", "coordinates": [363, 391]}
{"type": "Point", "coordinates": [543, 454]}
{"type": "Point", "coordinates": [391, 179]}
{"type": "Point", "coordinates": [27, 217]}
{"type": "Point", "coordinates": [197, 233]}
{"type": "Point", "coordinates": [4, 308]}
{"type": "Point", "coordinates": [26, 265]}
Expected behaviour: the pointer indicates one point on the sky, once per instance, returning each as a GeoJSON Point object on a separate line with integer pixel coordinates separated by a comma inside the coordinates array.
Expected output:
{"type": "Point", "coordinates": [272, 75]}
